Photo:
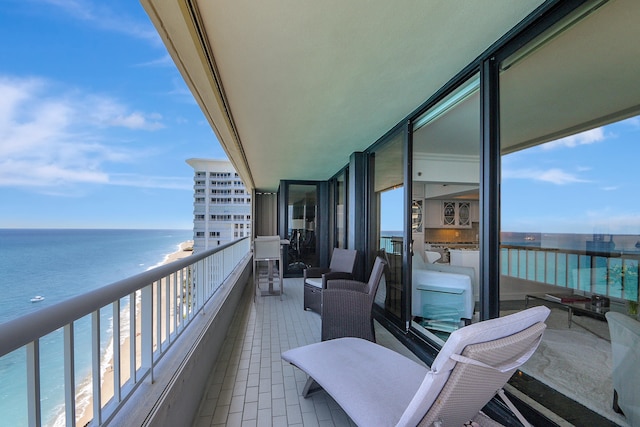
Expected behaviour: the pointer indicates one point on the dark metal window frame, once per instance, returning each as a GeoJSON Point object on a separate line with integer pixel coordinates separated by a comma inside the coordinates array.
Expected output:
{"type": "Point", "coordinates": [322, 221]}
{"type": "Point", "coordinates": [403, 129]}
{"type": "Point", "coordinates": [333, 203]}
{"type": "Point", "coordinates": [487, 64]}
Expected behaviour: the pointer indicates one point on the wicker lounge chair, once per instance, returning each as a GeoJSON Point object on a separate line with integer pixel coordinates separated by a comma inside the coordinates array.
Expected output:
{"type": "Point", "coordinates": [347, 304]}
{"type": "Point", "coordinates": [377, 386]}
{"type": "Point", "coordinates": [315, 278]}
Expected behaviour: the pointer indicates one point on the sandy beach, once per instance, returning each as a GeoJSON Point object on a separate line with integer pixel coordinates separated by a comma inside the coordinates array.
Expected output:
{"type": "Point", "coordinates": [85, 410]}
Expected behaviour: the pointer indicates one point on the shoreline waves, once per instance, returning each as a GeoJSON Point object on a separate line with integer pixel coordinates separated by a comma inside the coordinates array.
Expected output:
{"type": "Point", "coordinates": [60, 264]}
{"type": "Point", "coordinates": [84, 399]}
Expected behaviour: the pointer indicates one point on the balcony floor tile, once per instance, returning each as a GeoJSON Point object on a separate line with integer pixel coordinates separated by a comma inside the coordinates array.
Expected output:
{"type": "Point", "coordinates": [251, 385]}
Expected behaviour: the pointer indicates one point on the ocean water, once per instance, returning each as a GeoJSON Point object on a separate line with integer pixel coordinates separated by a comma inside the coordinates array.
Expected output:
{"type": "Point", "coordinates": [58, 264]}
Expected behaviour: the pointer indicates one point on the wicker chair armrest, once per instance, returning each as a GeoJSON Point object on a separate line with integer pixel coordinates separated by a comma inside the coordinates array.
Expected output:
{"type": "Point", "coordinates": [347, 285]}
{"type": "Point", "coordinates": [346, 313]}
{"type": "Point", "coordinates": [335, 275]}
{"type": "Point", "coordinates": [314, 271]}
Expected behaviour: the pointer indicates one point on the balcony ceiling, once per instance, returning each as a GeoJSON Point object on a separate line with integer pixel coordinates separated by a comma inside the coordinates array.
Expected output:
{"type": "Point", "coordinates": [292, 88]}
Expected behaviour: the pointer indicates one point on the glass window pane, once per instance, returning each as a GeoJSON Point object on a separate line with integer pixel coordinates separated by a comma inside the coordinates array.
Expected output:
{"type": "Point", "coordinates": [341, 214]}
{"type": "Point", "coordinates": [446, 176]}
{"type": "Point", "coordinates": [301, 222]}
{"type": "Point", "coordinates": [569, 105]}
{"type": "Point", "coordinates": [389, 221]}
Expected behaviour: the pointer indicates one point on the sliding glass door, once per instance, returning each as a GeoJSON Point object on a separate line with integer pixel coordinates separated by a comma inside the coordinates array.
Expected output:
{"type": "Point", "coordinates": [445, 200]}
{"type": "Point", "coordinates": [301, 212]}
{"type": "Point", "coordinates": [570, 229]}
{"type": "Point", "coordinates": [338, 218]}
{"type": "Point", "coordinates": [388, 219]}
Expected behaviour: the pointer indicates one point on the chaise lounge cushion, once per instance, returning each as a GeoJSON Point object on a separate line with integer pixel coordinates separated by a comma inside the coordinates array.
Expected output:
{"type": "Point", "coordinates": [362, 385]}
{"type": "Point", "coordinates": [376, 386]}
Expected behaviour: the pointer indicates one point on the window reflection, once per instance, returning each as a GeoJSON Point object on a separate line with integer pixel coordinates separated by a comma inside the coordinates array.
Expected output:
{"type": "Point", "coordinates": [570, 235]}
{"type": "Point", "coordinates": [446, 176]}
{"type": "Point", "coordinates": [301, 222]}
{"type": "Point", "coordinates": [389, 222]}
{"type": "Point", "coordinates": [341, 214]}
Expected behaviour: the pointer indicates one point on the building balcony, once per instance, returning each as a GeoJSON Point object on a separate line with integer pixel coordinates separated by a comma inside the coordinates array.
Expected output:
{"type": "Point", "coordinates": [251, 385]}
{"type": "Point", "coordinates": [218, 364]}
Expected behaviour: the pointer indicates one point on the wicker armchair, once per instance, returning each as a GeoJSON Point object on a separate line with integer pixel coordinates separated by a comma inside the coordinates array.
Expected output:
{"type": "Point", "coordinates": [315, 278]}
{"type": "Point", "coordinates": [347, 304]}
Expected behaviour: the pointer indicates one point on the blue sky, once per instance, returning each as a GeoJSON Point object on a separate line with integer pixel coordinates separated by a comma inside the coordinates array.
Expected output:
{"type": "Point", "coordinates": [586, 183]}
{"type": "Point", "coordinates": [96, 124]}
{"type": "Point", "coordinates": [95, 121]}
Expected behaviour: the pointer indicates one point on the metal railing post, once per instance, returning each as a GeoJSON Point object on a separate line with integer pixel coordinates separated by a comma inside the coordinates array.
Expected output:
{"type": "Point", "coordinates": [116, 351]}
{"type": "Point", "coordinates": [195, 281]}
{"type": "Point", "coordinates": [95, 366]}
{"type": "Point", "coordinates": [146, 329]}
{"type": "Point", "coordinates": [69, 375]}
{"type": "Point", "coordinates": [33, 384]}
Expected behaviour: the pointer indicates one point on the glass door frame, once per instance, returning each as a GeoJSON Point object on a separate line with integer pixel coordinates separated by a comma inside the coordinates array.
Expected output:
{"type": "Point", "coordinates": [334, 197]}
{"type": "Point", "coordinates": [373, 215]}
{"type": "Point", "coordinates": [321, 221]}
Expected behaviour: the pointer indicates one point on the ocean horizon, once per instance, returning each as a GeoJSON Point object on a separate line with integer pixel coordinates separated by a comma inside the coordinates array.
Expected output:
{"type": "Point", "coordinates": [58, 264]}
{"type": "Point", "coordinates": [61, 263]}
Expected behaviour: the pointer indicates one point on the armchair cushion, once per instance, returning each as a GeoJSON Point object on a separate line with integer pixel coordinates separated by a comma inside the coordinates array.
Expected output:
{"type": "Point", "coordinates": [314, 281]}
{"type": "Point", "coordinates": [321, 281]}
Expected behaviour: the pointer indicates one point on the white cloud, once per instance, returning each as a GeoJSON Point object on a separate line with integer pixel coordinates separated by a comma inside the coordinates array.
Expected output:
{"type": "Point", "coordinates": [613, 222]}
{"type": "Point", "coordinates": [51, 137]}
{"type": "Point", "coordinates": [135, 120]}
{"type": "Point", "coordinates": [45, 175]}
{"type": "Point", "coordinates": [106, 112]}
{"type": "Point", "coordinates": [145, 181]}
{"type": "Point", "coordinates": [102, 15]}
{"type": "Point", "coordinates": [164, 61]}
{"type": "Point", "coordinates": [553, 176]}
{"type": "Point", "coordinates": [589, 137]}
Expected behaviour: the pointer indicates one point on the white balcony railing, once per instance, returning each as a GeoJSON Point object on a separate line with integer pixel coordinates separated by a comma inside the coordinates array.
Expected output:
{"type": "Point", "coordinates": [148, 312]}
{"type": "Point", "coordinates": [613, 274]}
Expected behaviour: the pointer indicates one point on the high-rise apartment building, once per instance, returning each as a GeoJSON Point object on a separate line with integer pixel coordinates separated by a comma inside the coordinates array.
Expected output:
{"type": "Point", "coordinates": [221, 204]}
